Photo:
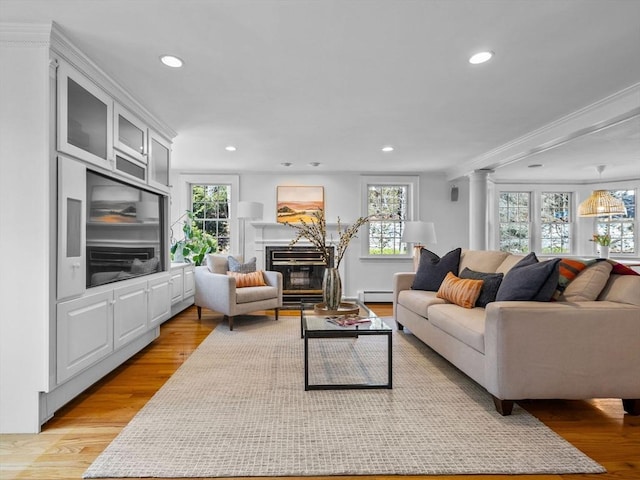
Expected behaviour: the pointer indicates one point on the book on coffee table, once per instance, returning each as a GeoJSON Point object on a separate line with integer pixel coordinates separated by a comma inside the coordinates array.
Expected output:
{"type": "Point", "coordinates": [348, 320]}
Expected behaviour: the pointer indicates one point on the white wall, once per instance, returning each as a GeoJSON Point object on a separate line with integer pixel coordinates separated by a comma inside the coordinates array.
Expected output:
{"type": "Point", "coordinates": [25, 212]}
{"type": "Point", "coordinates": [343, 199]}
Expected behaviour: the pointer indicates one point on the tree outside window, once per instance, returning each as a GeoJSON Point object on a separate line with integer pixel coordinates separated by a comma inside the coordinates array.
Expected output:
{"type": "Point", "coordinates": [555, 222]}
{"type": "Point", "coordinates": [621, 228]}
{"type": "Point", "coordinates": [515, 219]}
{"type": "Point", "coordinates": [387, 207]}
{"type": "Point", "coordinates": [210, 207]}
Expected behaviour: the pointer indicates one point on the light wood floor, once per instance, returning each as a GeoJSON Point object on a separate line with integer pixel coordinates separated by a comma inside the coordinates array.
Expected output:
{"type": "Point", "coordinates": [83, 428]}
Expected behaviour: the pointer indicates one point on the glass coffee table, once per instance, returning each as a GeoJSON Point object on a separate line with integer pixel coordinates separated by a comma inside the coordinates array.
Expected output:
{"type": "Point", "coordinates": [317, 325]}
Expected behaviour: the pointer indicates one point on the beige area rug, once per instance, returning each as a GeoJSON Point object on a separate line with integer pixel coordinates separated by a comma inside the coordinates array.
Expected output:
{"type": "Point", "coordinates": [238, 408]}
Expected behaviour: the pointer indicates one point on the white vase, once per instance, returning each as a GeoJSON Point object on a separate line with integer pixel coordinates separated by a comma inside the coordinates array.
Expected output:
{"type": "Point", "coordinates": [604, 251]}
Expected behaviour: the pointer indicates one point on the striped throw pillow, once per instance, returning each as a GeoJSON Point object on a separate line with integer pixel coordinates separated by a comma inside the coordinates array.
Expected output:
{"type": "Point", "coordinates": [461, 291]}
{"type": "Point", "coordinates": [253, 279]}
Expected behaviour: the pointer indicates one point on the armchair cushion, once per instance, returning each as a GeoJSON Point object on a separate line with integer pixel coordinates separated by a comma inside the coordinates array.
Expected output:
{"type": "Point", "coordinates": [252, 279]}
{"type": "Point", "coordinates": [255, 294]}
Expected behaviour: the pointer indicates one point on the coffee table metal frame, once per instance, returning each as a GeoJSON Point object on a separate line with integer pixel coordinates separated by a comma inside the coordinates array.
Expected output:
{"type": "Point", "coordinates": [329, 330]}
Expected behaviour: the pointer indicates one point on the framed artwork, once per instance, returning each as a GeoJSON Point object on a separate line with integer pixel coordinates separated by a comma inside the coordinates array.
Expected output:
{"type": "Point", "coordinates": [298, 203]}
{"type": "Point", "coordinates": [113, 204]}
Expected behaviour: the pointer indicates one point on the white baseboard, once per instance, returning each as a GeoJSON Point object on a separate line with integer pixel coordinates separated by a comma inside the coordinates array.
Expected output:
{"type": "Point", "coordinates": [375, 296]}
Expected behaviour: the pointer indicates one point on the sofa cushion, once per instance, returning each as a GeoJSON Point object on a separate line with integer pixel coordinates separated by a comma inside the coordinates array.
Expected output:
{"type": "Point", "coordinates": [251, 279]}
{"type": "Point", "coordinates": [530, 279]}
{"type": "Point", "coordinates": [622, 289]}
{"type": "Point", "coordinates": [432, 269]}
{"type": "Point", "coordinates": [466, 325]}
{"type": "Point", "coordinates": [255, 294]}
{"type": "Point", "coordinates": [588, 283]}
{"type": "Point", "coordinates": [461, 291]}
{"type": "Point", "coordinates": [236, 265]}
{"type": "Point", "coordinates": [569, 269]}
{"type": "Point", "coordinates": [418, 301]}
{"type": "Point", "coordinates": [509, 263]}
{"type": "Point", "coordinates": [489, 288]}
{"type": "Point", "coordinates": [482, 260]}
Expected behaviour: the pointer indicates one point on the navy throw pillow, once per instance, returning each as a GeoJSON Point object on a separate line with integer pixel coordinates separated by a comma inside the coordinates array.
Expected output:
{"type": "Point", "coordinates": [432, 269]}
{"type": "Point", "coordinates": [530, 279]}
{"type": "Point", "coordinates": [490, 286]}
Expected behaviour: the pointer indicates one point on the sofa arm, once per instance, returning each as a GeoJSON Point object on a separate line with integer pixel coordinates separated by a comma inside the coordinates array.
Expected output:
{"type": "Point", "coordinates": [562, 350]}
{"type": "Point", "coordinates": [214, 290]}
{"type": "Point", "coordinates": [401, 281]}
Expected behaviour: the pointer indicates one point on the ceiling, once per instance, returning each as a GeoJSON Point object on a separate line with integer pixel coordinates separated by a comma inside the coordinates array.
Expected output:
{"type": "Point", "coordinates": [333, 81]}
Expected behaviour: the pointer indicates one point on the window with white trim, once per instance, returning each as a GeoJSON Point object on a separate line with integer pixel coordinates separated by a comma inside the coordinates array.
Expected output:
{"type": "Point", "coordinates": [555, 222]}
{"type": "Point", "coordinates": [621, 228]}
{"type": "Point", "coordinates": [389, 201]}
{"type": "Point", "coordinates": [210, 207]}
{"type": "Point", "coordinates": [514, 212]}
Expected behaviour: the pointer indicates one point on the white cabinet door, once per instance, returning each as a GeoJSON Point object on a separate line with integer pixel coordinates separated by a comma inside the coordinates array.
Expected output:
{"type": "Point", "coordinates": [177, 284]}
{"type": "Point", "coordinates": [159, 160]}
{"type": "Point", "coordinates": [189, 281]}
{"type": "Point", "coordinates": [159, 300]}
{"type": "Point", "coordinates": [129, 134]}
{"type": "Point", "coordinates": [85, 118]}
{"type": "Point", "coordinates": [129, 313]}
{"type": "Point", "coordinates": [72, 200]}
{"type": "Point", "coordinates": [84, 333]}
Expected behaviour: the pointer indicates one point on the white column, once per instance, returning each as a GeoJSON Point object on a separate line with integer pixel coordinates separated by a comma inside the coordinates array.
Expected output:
{"type": "Point", "coordinates": [478, 217]}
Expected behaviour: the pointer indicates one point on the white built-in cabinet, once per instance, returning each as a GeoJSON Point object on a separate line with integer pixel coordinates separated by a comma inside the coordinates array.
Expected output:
{"type": "Point", "coordinates": [95, 128]}
{"type": "Point", "coordinates": [96, 329]}
{"type": "Point", "coordinates": [84, 333]}
{"type": "Point", "coordinates": [183, 287]}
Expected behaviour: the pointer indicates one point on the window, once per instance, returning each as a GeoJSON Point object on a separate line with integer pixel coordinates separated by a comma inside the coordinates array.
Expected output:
{"type": "Point", "coordinates": [514, 218]}
{"type": "Point", "coordinates": [555, 222]}
{"type": "Point", "coordinates": [387, 206]}
{"type": "Point", "coordinates": [210, 207]}
{"type": "Point", "coordinates": [621, 228]}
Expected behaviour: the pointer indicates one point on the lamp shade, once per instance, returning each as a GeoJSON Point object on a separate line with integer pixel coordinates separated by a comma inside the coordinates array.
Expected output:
{"type": "Point", "coordinates": [252, 210]}
{"type": "Point", "coordinates": [601, 203]}
{"type": "Point", "coordinates": [419, 232]}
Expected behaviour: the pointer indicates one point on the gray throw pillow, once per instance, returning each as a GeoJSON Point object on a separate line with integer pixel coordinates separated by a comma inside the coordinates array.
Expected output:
{"type": "Point", "coordinates": [236, 266]}
{"type": "Point", "coordinates": [530, 279]}
{"type": "Point", "coordinates": [432, 269]}
{"type": "Point", "coordinates": [490, 286]}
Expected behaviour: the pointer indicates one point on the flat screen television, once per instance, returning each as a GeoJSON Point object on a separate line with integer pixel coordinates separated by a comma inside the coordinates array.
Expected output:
{"type": "Point", "coordinates": [125, 225]}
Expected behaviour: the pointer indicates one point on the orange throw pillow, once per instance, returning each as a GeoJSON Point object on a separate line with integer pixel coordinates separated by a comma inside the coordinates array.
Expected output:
{"type": "Point", "coordinates": [253, 279]}
{"type": "Point", "coordinates": [461, 291]}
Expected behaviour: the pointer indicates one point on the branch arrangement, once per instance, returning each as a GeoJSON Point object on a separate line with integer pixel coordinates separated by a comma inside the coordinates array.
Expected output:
{"type": "Point", "coordinates": [316, 233]}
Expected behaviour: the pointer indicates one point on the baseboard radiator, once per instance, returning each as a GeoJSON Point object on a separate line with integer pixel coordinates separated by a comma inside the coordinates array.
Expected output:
{"type": "Point", "coordinates": [375, 296]}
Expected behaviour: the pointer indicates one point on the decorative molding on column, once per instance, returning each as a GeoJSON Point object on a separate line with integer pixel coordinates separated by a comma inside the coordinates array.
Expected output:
{"type": "Point", "coordinates": [478, 215]}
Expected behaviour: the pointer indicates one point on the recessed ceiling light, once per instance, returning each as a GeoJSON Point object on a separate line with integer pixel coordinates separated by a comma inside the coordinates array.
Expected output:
{"type": "Point", "coordinates": [535, 165]}
{"type": "Point", "coordinates": [314, 164]}
{"type": "Point", "coordinates": [171, 61]}
{"type": "Point", "coordinates": [230, 148]}
{"type": "Point", "coordinates": [388, 148]}
{"type": "Point", "coordinates": [286, 164]}
{"type": "Point", "coordinates": [481, 57]}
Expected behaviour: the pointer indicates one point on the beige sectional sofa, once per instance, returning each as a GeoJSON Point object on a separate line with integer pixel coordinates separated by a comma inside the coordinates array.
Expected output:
{"type": "Point", "coordinates": [533, 350]}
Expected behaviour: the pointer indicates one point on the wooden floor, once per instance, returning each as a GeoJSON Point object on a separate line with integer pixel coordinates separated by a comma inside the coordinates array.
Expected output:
{"type": "Point", "coordinates": [83, 428]}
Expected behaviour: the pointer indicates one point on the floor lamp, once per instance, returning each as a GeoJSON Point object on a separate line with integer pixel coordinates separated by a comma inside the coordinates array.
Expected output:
{"type": "Point", "coordinates": [248, 211]}
{"type": "Point", "coordinates": [420, 234]}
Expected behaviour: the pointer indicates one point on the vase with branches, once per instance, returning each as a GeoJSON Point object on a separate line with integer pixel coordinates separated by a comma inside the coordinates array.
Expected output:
{"type": "Point", "coordinates": [316, 233]}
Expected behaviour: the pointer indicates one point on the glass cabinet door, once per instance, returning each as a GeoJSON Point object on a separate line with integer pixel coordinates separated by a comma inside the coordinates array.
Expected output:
{"type": "Point", "coordinates": [159, 160]}
{"type": "Point", "coordinates": [130, 134]}
{"type": "Point", "coordinates": [85, 129]}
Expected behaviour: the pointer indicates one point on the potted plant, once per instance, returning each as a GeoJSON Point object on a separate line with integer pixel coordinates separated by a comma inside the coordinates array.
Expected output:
{"type": "Point", "coordinates": [604, 242]}
{"type": "Point", "coordinates": [316, 233]}
{"type": "Point", "coordinates": [195, 244]}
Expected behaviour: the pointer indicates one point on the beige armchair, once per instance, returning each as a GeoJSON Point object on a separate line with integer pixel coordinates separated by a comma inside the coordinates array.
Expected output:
{"type": "Point", "coordinates": [217, 291]}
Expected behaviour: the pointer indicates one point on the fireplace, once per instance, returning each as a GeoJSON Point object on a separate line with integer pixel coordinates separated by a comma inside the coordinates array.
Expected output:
{"type": "Point", "coordinates": [302, 270]}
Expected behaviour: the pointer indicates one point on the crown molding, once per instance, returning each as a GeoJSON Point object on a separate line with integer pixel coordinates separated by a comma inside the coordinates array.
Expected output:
{"type": "Point", "coordinates": [607, 112]}
{"type": "Point", "coordinates": [25, 35]}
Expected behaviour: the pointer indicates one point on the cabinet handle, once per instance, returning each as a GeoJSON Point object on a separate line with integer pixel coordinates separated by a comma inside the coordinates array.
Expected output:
{"type": "Point", "coordinates": [112, 302]}
{"type": "Point", "coordinates": [75, 265]}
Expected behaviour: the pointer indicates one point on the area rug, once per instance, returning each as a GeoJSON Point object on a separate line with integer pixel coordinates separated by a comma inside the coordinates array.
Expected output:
{"type": "Point", "coordinates": [238, 408]}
